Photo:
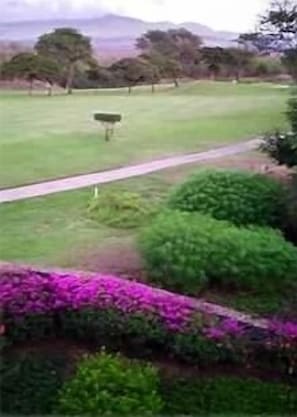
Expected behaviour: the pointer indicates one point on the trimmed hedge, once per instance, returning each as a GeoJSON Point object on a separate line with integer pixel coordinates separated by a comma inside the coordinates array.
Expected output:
{"type": "Point", "coordinates": [240, 197]}
{"type": "Point", "coordinates": [111, 385]}
{"type": "Point", "coordinates": [227, 395]}
{"type": "Point", "coordinates": [185, 252]}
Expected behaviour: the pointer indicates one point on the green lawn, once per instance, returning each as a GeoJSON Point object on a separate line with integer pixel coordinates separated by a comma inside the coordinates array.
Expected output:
{"type": "Point", "coordinates": [50, 137]}
{"type": "Point", "coordinates": [42, 137]}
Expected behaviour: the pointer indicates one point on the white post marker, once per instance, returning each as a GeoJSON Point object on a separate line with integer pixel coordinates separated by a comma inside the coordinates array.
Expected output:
{"type": "Point", "coordinates": [96, 192]}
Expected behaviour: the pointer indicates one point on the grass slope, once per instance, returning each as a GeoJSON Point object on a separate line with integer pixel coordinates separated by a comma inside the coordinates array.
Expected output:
{"type": "Point", "coordinates": [44, 138]}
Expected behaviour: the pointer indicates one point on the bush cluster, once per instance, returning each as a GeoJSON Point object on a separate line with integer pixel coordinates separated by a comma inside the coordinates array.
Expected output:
{"type": "Point", "coordinates": [220, 395]}
{"type": "Point", "coordinates": [239, 197]}
{"type": "Point", "coordinates": [111, 385]}
{"type": "Point", "coordinates": [120, 209]}
{"type": "Point", "coordinates": [186, 251]}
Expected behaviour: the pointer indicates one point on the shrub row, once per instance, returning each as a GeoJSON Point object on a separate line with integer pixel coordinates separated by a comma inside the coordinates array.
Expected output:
{"type": "Point", "coordinates": [186, 251]}
{"type": "Point", "coordinates": [112, 385]}
{"type": "Point", "coordinates": [239, 197]}
{"type": "Point", "coordinates": [132, 317]}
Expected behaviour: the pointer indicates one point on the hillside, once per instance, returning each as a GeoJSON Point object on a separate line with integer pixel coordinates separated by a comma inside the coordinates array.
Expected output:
{"type": "Point", "coordinates": [115, 33]}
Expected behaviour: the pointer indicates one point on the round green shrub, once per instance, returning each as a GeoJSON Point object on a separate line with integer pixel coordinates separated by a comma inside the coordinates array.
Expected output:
{"type": "Point", "coordinates": [120, 209]}
{"type": "Point", "coordinates": [111, 385]}
{"type": "Point", "coordinates": [186, 251]}
{"type": "Point", "coordinates": [239, 197]}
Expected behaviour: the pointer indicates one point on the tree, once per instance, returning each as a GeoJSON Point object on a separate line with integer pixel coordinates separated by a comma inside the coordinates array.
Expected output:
{"type": "Point", "coordinates": [131, 71]}
{"type": "Point", "coordinates": [214, 58]}
{"type": "Point", "coordinates": [68, 48]}
{"type": "Point", "coordinates": [290, 62]}
{"type": "Point", "coordinates": [237, 60]}
{"type": "Point", "coordinates": [31, 67]}
{"type": "Point", "coordinates": [277, 32]}
{"type": "Point", "coordinates": [174, 52]}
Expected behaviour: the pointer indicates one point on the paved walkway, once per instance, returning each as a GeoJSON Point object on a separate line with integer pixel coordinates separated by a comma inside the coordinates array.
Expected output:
{"type": "Point", "coordinates": [81, 181]}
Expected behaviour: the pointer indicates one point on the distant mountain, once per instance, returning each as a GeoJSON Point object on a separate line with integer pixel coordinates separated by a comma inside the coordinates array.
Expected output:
{"type": "Point", "coordinates": [112, 32]}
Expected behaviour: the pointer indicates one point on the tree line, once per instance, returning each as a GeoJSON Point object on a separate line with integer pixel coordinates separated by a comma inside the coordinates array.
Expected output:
{"type": "Point", "coordinates": [65, 57]}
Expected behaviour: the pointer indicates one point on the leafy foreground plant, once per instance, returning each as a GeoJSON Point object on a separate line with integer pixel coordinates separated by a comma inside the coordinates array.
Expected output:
{"type": "Point", "coordinates": [120, 209]}
{"type": "Point", "coordinates": [111, 385]}
{"type": "Point", "coordinates": [185, 252]}
{"type": "Point", "coordinates": [240, 197]}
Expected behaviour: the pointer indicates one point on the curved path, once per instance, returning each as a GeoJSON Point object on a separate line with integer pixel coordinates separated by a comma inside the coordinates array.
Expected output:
{"type": "Point", "coordinates": [82, 181]}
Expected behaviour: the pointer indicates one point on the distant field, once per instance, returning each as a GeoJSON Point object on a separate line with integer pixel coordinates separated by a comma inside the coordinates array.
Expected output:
{"type": "Point", "coordinates": [42, 138]}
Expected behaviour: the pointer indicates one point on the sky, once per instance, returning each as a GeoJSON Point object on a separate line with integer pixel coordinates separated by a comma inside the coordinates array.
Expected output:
{"type": "Point", "coordinates": [234, 15]}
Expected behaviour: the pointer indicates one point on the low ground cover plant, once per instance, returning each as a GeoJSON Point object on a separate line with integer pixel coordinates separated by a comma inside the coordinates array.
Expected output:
{"type": "Point", "coordinates": [135, 318]}
{"type": "Point", "coordinates": [120, 209]}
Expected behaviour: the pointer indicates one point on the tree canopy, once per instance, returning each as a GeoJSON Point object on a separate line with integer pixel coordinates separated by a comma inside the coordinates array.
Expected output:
{"type": "Point", "coordinates": [67, 47]}
{"type": "Point", "coordinates": [31, 67]}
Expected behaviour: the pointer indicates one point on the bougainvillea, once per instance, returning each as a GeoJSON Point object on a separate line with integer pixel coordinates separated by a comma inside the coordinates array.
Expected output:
{"type": "Point", "coordinates": [109, 304]}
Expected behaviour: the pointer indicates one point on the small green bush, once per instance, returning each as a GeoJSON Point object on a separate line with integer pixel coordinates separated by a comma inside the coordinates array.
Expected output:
{"type": "Point", "coordinates": [185, 252]}
{"type": "Point", "coordinates": [120, 209]}
{"type": "Point", "coordinates": [227, 395]}
{"type": "Point", "coordinates": [111, 385]}
{"type": "Point", "coordinates": [239, 197]}
{"type": "Point", "coordinates": [30, 384]}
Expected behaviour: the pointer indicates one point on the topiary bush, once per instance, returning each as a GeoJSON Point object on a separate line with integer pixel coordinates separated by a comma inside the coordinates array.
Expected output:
{"type": "Point", "coordinates": [120, 209]}
{"type": "Point", "coordinates": [111, 385]}
{"type": "Point", "coordinates": [239, 197]}
{"type": "Point", "coordinates": [187, 251]}
{"type": "Point", "coordinates": [227, 395]}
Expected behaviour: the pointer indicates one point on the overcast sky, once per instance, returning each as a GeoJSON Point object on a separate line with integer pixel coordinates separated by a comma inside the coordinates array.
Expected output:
{"type": "Point", "coordinates": [237, 15]}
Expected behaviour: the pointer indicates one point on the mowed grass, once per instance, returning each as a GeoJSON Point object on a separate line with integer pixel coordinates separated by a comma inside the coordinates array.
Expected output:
{"type": "Point", "coordinates": [43, 138]}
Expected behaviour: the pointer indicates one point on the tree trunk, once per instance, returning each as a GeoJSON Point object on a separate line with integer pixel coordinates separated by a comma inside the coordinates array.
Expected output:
{"type": "Point", "coordinates": [70, 77]}
{"type": "Point", "coordinates": [49, 89]}
{"type": "Point", "coordinates": [176, 83]}
{"type": "Point", "coordinates": [31, 84]}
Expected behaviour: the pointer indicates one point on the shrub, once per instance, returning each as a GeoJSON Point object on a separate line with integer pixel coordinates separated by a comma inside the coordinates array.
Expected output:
{"type": "Point", "coordinates": [227, 395]}
{"type": "Point", "coordinates": [120, 209]}
{"type": "Point", "coordinates": [185, 252]}
{"type": "Point", "coordinates": [239, 197]}
{"type": "Point", "coordinates": [30, 384]}
{"type": "Point", "coordinates": [282, 147]}
{"type": "Point", "coordinates": [111, 385]}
